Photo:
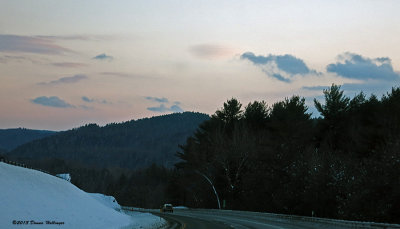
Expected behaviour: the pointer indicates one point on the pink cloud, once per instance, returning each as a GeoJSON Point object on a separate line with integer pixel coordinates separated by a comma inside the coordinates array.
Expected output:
{"type": "Point", "coordinates": [29, 44]}
{"type": "Point", "coordinates": [210, 51]}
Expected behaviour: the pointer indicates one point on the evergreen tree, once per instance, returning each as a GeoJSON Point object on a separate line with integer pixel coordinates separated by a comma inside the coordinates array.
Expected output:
{"type": "Point", "coordinates": [335, 103]}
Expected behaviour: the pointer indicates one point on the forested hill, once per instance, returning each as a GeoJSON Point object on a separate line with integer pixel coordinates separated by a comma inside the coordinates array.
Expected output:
{"type": "Point", "coordinates": [132, 144]}
{"type": "Point", "coordinates": [12, 138]}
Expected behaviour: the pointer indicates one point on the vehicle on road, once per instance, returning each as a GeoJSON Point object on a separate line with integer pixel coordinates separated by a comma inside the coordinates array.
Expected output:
{"type": "Point", "coordinates": [167, 208]}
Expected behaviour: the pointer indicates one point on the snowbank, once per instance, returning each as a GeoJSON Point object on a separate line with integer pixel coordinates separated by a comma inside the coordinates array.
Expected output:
{"type": "Point", "coordinates": [181, 207]}
{"type": "Point", "coordinates": [147, 221]}
{"type": "Point", "coordinates": [65, 176]}
{"type": "Point", "coordinates": [29, 197]}
{"type": "Point", "coordinates": [108, 201]}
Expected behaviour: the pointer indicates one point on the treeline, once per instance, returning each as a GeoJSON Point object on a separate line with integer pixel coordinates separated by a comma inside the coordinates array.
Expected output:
{"type": "Point", "coordinates": [140, 188]}
{"type": "Point", "coordinates": [276, 158]}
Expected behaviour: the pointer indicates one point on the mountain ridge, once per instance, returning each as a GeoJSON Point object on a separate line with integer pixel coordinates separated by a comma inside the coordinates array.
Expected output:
{"type": "Point", "coordinates": [132, 144]}
{"type": "Point", "coordinates": [13, 137]}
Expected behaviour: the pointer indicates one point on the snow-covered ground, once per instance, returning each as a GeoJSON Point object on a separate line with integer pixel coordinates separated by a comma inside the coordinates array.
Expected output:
{"type": "Point", "coordinates": [108, 201]}
{"type": "Point", "coordinates": [32, 199]}
{"type": "Point", "coordinates": [147, 221]}
{"type": "Point", "coordinates": [181, 207]}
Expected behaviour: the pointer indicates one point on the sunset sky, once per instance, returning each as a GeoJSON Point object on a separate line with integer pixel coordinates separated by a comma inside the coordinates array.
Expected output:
{"type": "Point", "coordinates": [64, 63]}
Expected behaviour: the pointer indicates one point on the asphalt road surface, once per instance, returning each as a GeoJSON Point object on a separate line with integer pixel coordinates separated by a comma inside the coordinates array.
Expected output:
{"type": "Point", "coordinates": [209, 219]}
{"type": "Point", "coordinates": [185, 222]}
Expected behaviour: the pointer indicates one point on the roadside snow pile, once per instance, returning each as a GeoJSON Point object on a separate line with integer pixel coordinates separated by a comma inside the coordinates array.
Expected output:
{"type": "Point", "coordinates": [31, 197]}
{"type": "Point", "coordinates": [64, 176]}
{"type": "Point", "coordinates": [108, 201]}
{"type": "Point", "coordinates": [147, 221]}
{"type": "Point", "coordinates": [181, 207]}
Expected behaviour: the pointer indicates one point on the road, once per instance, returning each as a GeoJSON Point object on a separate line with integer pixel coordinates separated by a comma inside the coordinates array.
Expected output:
{"type": "Point", "coordinates": [205, 219]}
{"type": "Point", "coordinates": [187, 222]}
{"type": "Point", "coordinates": [227, 219]}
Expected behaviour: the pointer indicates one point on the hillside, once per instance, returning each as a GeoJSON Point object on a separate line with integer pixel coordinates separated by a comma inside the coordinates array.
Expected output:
{"type": "Point", "coordinates": [132, 144]}
{"type": "Point", "coordinates": [31, 197]}
{"type": "Point", "coordinates": [12, 138]}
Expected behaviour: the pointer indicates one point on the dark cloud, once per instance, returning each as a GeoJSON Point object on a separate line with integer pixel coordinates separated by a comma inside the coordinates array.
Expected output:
{"type": "Point", "coordinates": [287, 65]}
{"type": "Point", "coordinates": [163, 108]}
{"type": "Point", "coordinates": [88, 100]}
{"type": "Point", "coordinates": [103, 56]}
{"type": "Point", "coordinates": [30, 44]}
{"type": "Point", "coordinates": [355, 66]}
{"type": "Point", "coordinates": [176, 108]}
{"type": "Point", "coordinates": [71, 79]}
{"type": "Point", "coordinates": [164, 105]}
{"type": "Point", "coordinates": [69, 65]}
{"type": "Point", "coordinates": [291, 64]}
{"type": "Point", "coordinates": [52, 101]}
{"type": "Point", "coordinates": [255, 59]}
{"type": "Point", "coordinates": [159, 100]}
{"type": "Point", "coordinates": [210, 51]}
{"type": "Point", "coordinates": [280, 78]}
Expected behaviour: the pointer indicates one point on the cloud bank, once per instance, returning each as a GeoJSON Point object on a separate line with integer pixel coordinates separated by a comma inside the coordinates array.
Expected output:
{"type": "Point", "coordinates": [280, 67]}
{"type": "Point", "coordinates": [66, 80]}
{"type": "Point", "coordinates": [103, 56]}
{"type": "Point", "coordinates": [159, 100]}
{"type": "Point", "coordinates": [163, 108]}
{"type": "Point", "coordinates": [355, 66]}
{"type": "Point", "coordinates": [374, 75]}
{"type": "Point", "coordinates": [52, 101]}
{"type": "Point", "coordinates": [164, 105]}
{"type": "Point", "coordinates": [88, 100]}
{"type": "Point", "coordinates": [29, 44]}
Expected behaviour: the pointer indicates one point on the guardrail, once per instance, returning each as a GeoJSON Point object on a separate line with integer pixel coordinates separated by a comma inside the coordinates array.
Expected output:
{"type": "Point", "coordinates": [25, 166]}
{"type": "Point", "coordinates": [126, 208]}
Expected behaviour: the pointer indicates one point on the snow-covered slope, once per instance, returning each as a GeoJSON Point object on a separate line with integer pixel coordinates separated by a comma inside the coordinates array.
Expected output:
{"type": "Point", "coordinates": [29, 196]}
{"type": "Point", "coordinates": [108, 201]}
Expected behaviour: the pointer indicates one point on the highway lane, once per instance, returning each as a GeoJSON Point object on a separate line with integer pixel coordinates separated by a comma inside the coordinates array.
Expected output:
{"type": "Point", "coordinates": [205, 219]}
{"type": "Point", "coordinates": [227, 219]}
{"type": "Point", "coordinates": [177, 221]}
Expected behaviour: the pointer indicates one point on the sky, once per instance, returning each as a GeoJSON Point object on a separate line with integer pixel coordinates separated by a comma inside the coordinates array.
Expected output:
{"type": "Point", "coordinates": [64, 63]}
